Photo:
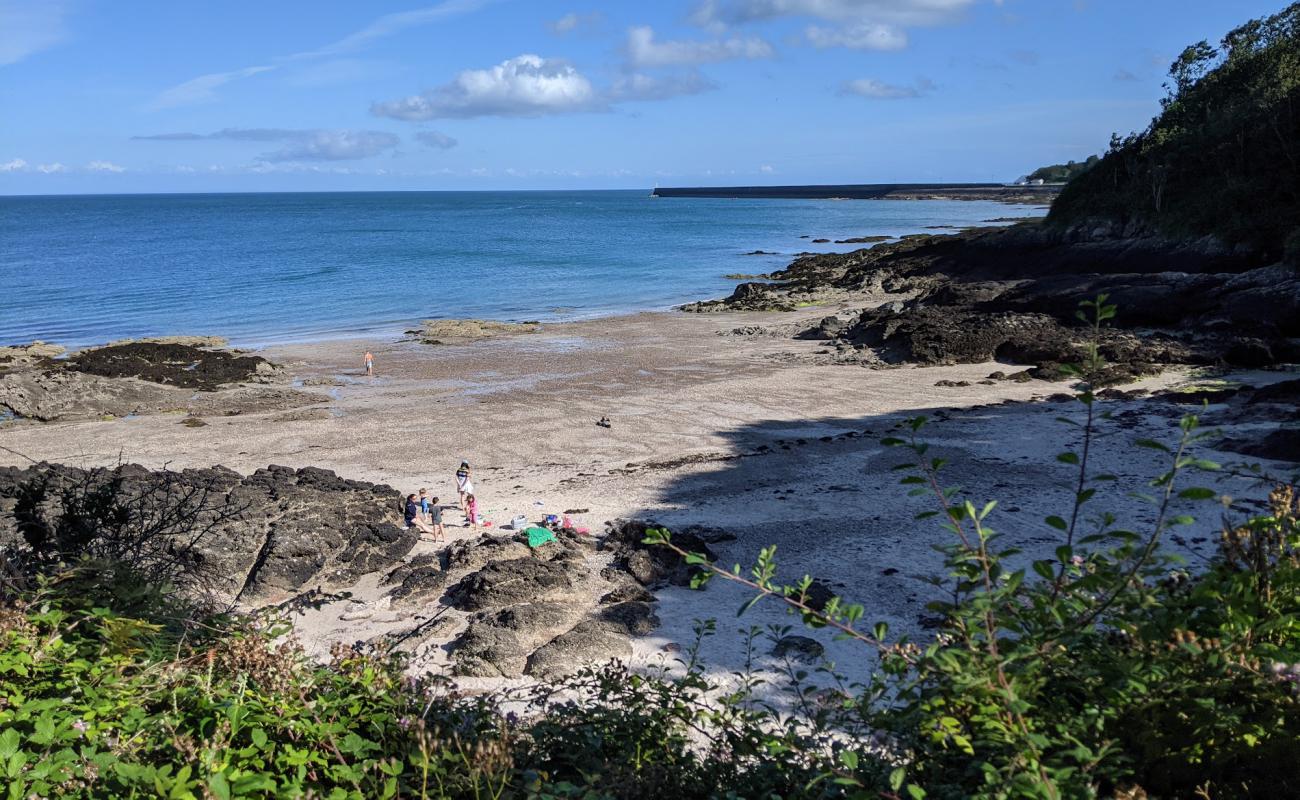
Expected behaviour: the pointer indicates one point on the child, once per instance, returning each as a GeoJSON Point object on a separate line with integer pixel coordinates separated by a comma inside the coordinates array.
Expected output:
{"type": "Point", "coordinates": [435, 520]}
{"type": "Point", "coordinates": [464, 484]}
{"type": "Point", "coordinates": [471, 511]}
{"type": "Point", "coordinates": [424, 504]}
{"type": "Point", "coordinates": [370, 364]}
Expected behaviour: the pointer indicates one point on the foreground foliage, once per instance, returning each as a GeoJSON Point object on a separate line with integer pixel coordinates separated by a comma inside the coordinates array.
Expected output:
{"type": "Point", "coordinates": [1223, 156]}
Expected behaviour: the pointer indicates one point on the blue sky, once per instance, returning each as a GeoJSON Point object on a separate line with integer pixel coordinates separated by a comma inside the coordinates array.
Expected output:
{"type": "Point", "coordinates": [143, 96]}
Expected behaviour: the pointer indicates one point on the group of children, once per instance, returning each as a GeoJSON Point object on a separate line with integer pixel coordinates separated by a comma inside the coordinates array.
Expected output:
{"type": "Point", "coordinates": [424, 513]}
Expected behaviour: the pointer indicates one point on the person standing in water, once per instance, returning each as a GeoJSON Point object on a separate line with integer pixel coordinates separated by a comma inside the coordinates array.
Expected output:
{"type": "Point", "coordinates": [464, 485]}
{"type": "Point", "coordinates": [370, 364]}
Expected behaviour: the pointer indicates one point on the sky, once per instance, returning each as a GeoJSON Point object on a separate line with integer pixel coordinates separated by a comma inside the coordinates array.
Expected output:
{"type": "Point", "coordinates": [118, 96]}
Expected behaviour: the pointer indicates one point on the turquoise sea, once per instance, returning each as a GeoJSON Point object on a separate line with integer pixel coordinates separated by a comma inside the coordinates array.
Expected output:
{"type": "Point", "coordinates": [263, 268]}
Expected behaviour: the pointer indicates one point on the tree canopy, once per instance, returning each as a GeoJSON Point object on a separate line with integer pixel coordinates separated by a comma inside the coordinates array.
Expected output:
{"type": "Point", "coordinates": [1221, 157]}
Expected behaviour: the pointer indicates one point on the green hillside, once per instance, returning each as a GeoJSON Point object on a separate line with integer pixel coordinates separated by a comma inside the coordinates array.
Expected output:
{"type": "Point", "coordinates": [1222, 157]}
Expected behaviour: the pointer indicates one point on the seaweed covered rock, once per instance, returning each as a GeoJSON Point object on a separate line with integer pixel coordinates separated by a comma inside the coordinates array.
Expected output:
{"type": "Point", "coordinates": [170, 363]}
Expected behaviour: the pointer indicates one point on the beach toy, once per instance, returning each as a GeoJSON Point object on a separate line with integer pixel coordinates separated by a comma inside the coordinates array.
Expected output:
{"type": "Point", "coordinates": [539, 536]}
{"type": "Point", "coordinates": [519, 523]}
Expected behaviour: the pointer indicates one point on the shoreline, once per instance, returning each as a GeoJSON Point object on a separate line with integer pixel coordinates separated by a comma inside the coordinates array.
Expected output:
{"type": "Point", "coordinates": [718, 420]}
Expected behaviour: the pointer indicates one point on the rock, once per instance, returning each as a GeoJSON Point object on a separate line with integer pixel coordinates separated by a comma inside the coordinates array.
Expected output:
{"type": "Point", "coordinates": [798, 648]}
{"type": "Point", "coordinates": [499, 643]}
{"type": "Point", "coordinates": [57, 394]}
{"type": "Point", "coordinates": [503, 583]}
{"type": "Point", "coordinates": [435, 330]}
{"type": "Point", "coordinates": [1282, 392]}
{"type": "Point", "coordinates": [863, 240]}
{"type": "Point", "coordinates": [420, 586]}
{"type": "Point", "coordinates": [193, 422]}
{"type": "Point", "coordinates": [626, 592]}
{"type": "Point", "coordinates": [468, 555]}
{"type": "Point", "coordinates": [602, 638]}
{"type": "Point", "coordinates": [29, 353]}
{"type": "Point", "coordinates": [260, 538]}
{"type": "Point", "coordinates": [819, 596]}
{"type": "Point", "coordinates": [1279, 445]}
{"type": "Point", "coordinates": [820, 241]}
{"type": "Point", "coordinates": [652, 565]}
{"type": "Point", "coordinates": [182, 365]}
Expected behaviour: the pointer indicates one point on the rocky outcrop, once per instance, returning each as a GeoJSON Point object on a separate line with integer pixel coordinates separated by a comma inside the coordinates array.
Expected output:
{"type": "Point", "coordinates": [140, 377]}
{"type": "Point", "coordinates": [171, 364]}
{"type": "Point", "coordinates": [529, 612]}
{"type": "Point", "coordinates": [256, 539]}
{"type": "Point", "coordinates": [440, 331]}
{"type": "Point", "coordinates": [652, 565]}
{"type": "Point", "coordinates": [1012, 294]}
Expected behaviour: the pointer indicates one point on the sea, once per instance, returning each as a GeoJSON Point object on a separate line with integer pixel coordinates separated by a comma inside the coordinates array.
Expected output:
{"type": "Point", "coordinates": [261, 269]}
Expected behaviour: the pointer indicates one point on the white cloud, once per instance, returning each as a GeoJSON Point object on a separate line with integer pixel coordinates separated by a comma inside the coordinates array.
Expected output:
{"type": "Point", "coordinates": [572, 21]}
{"type": "Point", "coordinates": [857, 24]}
{"type": "Point", "coordinates": [864, 36]}
{"type": "Point", "coordinates": [879, 90]}
{"type": "Point", "coordinates": [51, 168]}
{"type": "Point", "coordinates": [390, 24]}
{"type": "Point", "coordinates": [201, 89]}
{"type": "Point", "coordinates": [299, 145]}
{"type": "Point", "coordinates": [104, 166]}
{"type": "Point", "coordinates": [29, 27]}
{"type": "Point", "coordinates": [896, 12]}
{"type": "Point", "coordinates": [523, 86]}
{"type": "Point", "coordinates": [435, 139]}
{"type": "Point", "coordinates": [15, 165]}
{"type": "Point", "coordinates": [766, 168]}
{"type": "Point", "coordinates": [639, 86]}
{"type": "Point", "coordinates": [643, 51]}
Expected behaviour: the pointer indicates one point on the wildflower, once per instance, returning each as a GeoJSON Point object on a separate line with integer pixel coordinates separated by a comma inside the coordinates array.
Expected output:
{"type": "Point", "coordinates": [80, 726]}
{"type": "Point", "coordinates": [1076, 561]}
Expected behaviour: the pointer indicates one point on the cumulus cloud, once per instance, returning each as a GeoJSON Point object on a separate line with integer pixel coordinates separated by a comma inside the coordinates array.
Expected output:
{"type": "Point", "coordinates": [879, 90]}
{"type": "Point", "coordinates": [29, 27]}
{"type": "Point", "coordinates": [299, 145]}
{"type": "Point", "coordinates": [523, 86]}
{"type": "Point", "coordinates": [435, 139]}
{"type": "Point", "coordinates": [49, 169]}
{"type": "Point", "coordinates": [644, 51]}
{"type": "Point", "coordinates": [571, 22]}
{"type": "Point", "coordinates": [865, 36]}
{"type": "Point", "coordinates": [104, 166]}
{"type": "Point", "coordinates": [14, 165]}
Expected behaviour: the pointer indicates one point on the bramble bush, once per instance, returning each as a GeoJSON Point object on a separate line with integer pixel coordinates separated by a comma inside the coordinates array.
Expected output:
{"type": "Point", "coordinates": [1107, 670]}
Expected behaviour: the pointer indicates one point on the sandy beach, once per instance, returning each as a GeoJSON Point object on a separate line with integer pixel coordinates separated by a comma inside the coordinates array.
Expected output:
{"type": "Point", "coordinates": [755, 434]}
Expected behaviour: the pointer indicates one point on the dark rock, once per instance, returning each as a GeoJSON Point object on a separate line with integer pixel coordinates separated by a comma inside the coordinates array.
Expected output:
{"type": "Point", "coordinates": [503, 583]}
{"type": "Point", "coordinates": [589, 642]}
{"type": "Point", "coordinates": [260, 537]}
{"type": "Point", "coordinates": [652, 565]}
{"type": "Point", "coordinates": [173, 364]}
{"type": "Point", "coordinates": [1282, 392]}
{"type": "Point", "coordinates": [627, 591]}
{"type": "Point", "coordinates": [799, 648]}
{"type": "Point", "coordinates": [818, 596]}
{"type": "Point", "coordinates": [1279, 445]}
{"type": "Point", "coordinates": [499, 643]}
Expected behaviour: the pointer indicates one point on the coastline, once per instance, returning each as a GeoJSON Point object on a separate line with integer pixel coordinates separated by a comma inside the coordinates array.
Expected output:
{"type": "Point", "coordinates": [717, 420]}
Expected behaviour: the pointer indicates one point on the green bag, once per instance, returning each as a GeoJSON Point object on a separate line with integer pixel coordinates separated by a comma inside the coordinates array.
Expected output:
{"type": "Point", "coordinates": [539, 536]}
